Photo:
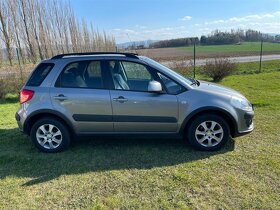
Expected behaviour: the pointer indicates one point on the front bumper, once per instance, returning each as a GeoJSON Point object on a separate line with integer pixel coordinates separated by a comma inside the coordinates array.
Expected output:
{"type": "Point", "coordinates": [245, 123]}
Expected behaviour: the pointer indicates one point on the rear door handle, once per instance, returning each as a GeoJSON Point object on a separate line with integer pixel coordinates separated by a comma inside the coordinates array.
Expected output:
{"type": "Point", "coordinates": [60, 97]}
{"type": "Point", "coordinates": [120, 99]}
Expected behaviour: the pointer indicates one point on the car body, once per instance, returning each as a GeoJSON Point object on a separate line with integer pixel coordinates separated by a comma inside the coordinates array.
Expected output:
{"type": "Point", "coordinates": [123, 93]}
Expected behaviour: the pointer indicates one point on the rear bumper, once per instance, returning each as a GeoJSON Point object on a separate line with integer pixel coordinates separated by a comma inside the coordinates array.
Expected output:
{"type": "Point", "coordinates": [19, 121]}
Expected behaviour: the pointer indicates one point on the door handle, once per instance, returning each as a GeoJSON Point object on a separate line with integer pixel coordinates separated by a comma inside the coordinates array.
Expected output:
{"type": "Point", "coordinates": [60, 97]}
{"type": "Point", "coordinates": [120, 99]}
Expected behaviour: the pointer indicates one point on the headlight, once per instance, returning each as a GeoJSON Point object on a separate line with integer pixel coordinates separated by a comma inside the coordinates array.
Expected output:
{"type": "Point", "coordinates": [241, 103]}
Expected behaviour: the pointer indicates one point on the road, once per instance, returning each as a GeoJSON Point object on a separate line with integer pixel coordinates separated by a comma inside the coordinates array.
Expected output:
{"type": "Point", "coordinates": [244, 59]}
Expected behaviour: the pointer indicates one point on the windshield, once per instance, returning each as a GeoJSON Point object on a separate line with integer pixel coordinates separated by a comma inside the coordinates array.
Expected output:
{"type": "Point", "coordinates": [160, 66]}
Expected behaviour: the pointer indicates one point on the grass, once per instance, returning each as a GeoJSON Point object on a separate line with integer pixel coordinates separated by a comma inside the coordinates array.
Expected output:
{"type": "Point", "coordinates": [149, 174]}
{"type": "Point", "coordinates": [241, 68]}
{"type": "Point", "coordinates": [233, 48]}
{"type": "Point", "coordinates": [253, 67]}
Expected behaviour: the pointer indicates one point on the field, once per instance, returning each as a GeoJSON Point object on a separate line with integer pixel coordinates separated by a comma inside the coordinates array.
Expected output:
{"type": "Point", "coordinates": [244, 49]}
{"type": "Point", "coordinates": [236, 48]}
{"type": "Point", "coordinates": [145, 173]}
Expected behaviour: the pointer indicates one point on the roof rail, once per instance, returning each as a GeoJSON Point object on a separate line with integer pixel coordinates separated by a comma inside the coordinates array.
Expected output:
{"type": "Point", "coordinates": [130, 55]}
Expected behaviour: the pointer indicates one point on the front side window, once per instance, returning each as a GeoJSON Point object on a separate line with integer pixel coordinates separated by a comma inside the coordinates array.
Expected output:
{"type": "Point", "coordinates": [136, 71]}
{"type": "Point", "coordinates": [130, 76]}
{"type": "Point", "coordinates": [82, 74]}
{"type": "Point", "coordinates": [171, 86]}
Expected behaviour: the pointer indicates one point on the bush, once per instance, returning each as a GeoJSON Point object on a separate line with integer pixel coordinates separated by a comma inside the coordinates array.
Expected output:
{"type": "Point", "coordinates": [184, 66]}
{"type": "Point", "coordinates": [10, 84]}
{"type": "Point", "coordinates": [219, 68]}
{"type": "Point", "coordinates": [10, 78]}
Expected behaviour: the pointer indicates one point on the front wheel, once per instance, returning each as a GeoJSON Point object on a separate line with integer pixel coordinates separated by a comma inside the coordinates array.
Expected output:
{"type": "Point", "coordinates": [208, 132]}
{"type": "Point", "coordinates": [50, 135]}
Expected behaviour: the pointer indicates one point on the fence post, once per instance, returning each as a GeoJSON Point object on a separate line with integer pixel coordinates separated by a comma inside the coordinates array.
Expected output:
{"type": "Point", "coordinates": [20, 69]}
{"type": "Point", "coordinates": [260, 67]}
{"type": "Point", "coordinates": [194, 60]}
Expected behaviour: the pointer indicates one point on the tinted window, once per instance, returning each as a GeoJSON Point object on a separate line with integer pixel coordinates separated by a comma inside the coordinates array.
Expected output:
{"type": "Point", "coordinates": [39, 74]}
{"type": "Point", "coordinates": [136, 71]}
{"type": "Point", "coordinates": [83, 74]}
{"type": "Point", "coordinates": [171, 86]}
{"type": "Point", "coordinates": [130, 76]}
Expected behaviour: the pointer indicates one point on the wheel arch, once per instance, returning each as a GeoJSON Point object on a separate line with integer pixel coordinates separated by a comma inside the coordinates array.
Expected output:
{"type": "Point", "coordinates": [30, 120]}
{"type": "Point", "coordinates": [210, 110]}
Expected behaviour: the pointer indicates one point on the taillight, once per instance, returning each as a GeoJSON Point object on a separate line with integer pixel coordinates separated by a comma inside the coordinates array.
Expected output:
{"type": "Point", "coordinates": [25, 95]}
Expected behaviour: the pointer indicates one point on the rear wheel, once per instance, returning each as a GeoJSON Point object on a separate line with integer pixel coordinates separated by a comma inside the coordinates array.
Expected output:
{"type": "Point", "coordinates": [208, 132]}
{"type": "Point", "coordinates": [50, 135]}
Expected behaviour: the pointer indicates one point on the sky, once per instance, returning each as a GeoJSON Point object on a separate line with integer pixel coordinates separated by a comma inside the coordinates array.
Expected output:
{"type": "Point", "coordinates": [137, 20]}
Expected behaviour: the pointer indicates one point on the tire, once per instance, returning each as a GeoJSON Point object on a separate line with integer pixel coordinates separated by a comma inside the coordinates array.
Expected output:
{"type": "Point", "coordinates": [50, 135]}
{"type": "Point", "coordinates": [208, 132]}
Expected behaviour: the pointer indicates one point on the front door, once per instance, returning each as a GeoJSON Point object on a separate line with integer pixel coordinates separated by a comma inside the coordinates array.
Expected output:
{"type": "Point", "coordinates": [134, 108]}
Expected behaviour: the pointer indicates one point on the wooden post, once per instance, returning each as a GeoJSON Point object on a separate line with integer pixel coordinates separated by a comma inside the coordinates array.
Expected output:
{"type": "Point", "coordinates": [260, 67]}
{"type": "Point", "coordinates": [194, 60]}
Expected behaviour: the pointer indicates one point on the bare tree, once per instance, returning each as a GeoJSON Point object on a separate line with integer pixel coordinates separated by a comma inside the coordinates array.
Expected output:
{"type": "Point", "coordinates": [16, 25]}
{"type": "Point", "coordinates": [40, 28]}
{"type": "Point", "coordinates": [33, 6]}
{"type": "Point", "coordinates": [23, 11]}
{"type": "Point", "coordinates": [6, 29]}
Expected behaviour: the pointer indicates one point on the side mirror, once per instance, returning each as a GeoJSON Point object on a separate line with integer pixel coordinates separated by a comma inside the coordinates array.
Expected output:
{"type": "Point", "coordinates": [154, 87]}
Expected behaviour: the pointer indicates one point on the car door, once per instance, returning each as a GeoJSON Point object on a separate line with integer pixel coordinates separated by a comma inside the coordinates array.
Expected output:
{"type": "Point", "coordinates": [134, 108]}
{"type": "Point", "coordinates": [79, 93]}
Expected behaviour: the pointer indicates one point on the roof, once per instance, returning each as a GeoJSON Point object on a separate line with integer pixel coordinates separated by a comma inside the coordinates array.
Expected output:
{"type": "Point", "coordinates": [130, 55]}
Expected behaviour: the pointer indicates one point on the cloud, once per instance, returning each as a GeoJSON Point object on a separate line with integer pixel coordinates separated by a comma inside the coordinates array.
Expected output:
{"type": "Point", "coordinates": [266, 23]}
{"type": "Point", "coordinates": [185, 18]}
{"type": "Point", "coordinates": [140, 26]}
{"type": "Point", "coordinates": [247, 18]}
{"type": "Point", "coordinates": [124, 35]}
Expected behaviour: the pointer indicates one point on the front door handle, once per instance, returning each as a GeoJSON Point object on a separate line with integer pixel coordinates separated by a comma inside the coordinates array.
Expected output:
{"type": "Point", "coordinates": [120, 99]}
{"type": "Point", "coordinates": [60, 97]}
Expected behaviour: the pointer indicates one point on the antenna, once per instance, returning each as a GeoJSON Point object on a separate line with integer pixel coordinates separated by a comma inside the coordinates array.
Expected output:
{"type": "Point", "coordinates": [131, 42]}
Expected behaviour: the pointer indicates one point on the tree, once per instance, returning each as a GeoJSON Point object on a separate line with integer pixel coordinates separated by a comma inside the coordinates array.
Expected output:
{"type": "Point", "coordinates": [16, 26]}
{"type": "Point", "coordinates": [23, 11]}
{"type": "Point", "coordinates": [6, 29]}
{"type": "Point", "coordinates": [203, 40]}
{"type": "Point", "coordinates": [40, 28]}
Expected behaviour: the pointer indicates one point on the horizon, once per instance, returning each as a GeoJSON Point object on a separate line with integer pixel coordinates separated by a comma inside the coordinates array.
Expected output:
{"type": "Point", "coordinates": [177, 19]}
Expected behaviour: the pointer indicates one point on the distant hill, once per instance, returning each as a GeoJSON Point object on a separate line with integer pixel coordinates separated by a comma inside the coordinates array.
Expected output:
{"type": "Point", "coordinates": [145, 43]}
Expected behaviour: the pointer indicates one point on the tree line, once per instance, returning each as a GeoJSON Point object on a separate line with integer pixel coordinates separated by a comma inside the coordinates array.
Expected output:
{"type": "Point", "coordinates": [175, 42]}
{"type": "Point", "coordinates": [218, 38]}
{"type": "Point", "coordinates": [39, 29]}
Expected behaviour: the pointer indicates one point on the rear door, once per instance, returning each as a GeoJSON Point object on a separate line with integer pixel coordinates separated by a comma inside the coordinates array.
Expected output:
{"type": "Point", "coordinates": [134, 108]}
{"type": "Point", "coordinates": [80, 94]}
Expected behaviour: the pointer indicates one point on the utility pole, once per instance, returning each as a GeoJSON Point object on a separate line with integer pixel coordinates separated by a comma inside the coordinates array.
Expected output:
{"type": "Point", "coordinates": [194, 60]}
{"type": "Point", "coordinates": [260, 67]}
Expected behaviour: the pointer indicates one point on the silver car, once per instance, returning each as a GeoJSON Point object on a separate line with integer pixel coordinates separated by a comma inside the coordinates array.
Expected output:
{"type": "Point", "coordinates": [72, 95]}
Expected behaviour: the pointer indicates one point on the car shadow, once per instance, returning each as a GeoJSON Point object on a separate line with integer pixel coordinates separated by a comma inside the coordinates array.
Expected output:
{"type": "Point", "coordinates": [18, 156]}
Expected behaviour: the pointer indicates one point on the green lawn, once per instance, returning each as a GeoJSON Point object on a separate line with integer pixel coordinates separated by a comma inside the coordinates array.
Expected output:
{"type": "Point", "coordinates": [233, 48]}
{"type": "Point", "coordinates": [149, 174]}
{"type": "Point", "coordinates": [253, 67]}
{"type": "Point", "coordinates": [241, 68]}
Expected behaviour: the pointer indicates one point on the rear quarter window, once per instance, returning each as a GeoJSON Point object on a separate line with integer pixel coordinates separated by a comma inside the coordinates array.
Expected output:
{"type": "Point", "coordinates": [39, 74]}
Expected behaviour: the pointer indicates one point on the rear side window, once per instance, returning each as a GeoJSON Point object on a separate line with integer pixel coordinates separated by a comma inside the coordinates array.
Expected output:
{"type": "Point", "coordinates": [82, 74]}
{"type": "Point", "coordinates": [39, 74]}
